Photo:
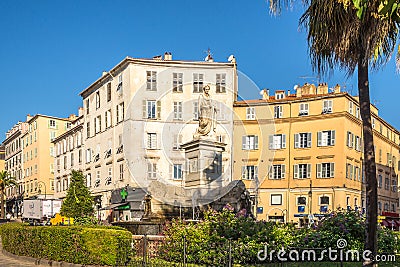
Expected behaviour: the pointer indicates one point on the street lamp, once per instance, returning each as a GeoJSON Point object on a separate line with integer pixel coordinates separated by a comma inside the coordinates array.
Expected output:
{"type": "Point", "coordinates": [42, 184]}
{"type": "Point", "coordinates": [310, 204]}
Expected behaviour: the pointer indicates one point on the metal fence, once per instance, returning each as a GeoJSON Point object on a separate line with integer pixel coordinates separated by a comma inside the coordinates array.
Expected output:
{"type": "Point", "coordinates": [146, 252]}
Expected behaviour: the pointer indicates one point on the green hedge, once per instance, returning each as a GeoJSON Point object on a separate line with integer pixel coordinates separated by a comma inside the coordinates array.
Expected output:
{"type": "Point", "coordinates": [73, 244]}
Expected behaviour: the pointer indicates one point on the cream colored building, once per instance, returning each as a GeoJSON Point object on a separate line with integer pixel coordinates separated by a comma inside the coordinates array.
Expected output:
{"type": "Point", "coordinates": [68, 155]}
{"type": "Point", "coordinates": [38, 153]}
{"type": "Point", "coordinates": [137, 114]}
{"type": "Point", "coordinates": [14, 165]}
{"type": "Point", "coordinates": [311, 162]}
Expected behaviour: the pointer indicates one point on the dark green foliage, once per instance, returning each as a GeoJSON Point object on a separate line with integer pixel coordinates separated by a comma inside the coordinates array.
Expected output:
{"type": "Point", "coordinates": [74, 244]}
{"type": "Point", "coordinates": [78, 203]}
{"type": "Point", "coordinates": [210, 241]}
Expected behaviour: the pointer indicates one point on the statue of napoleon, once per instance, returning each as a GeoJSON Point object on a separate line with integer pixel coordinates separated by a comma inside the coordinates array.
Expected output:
{"type": "Point", "coordinates": [207, 114]}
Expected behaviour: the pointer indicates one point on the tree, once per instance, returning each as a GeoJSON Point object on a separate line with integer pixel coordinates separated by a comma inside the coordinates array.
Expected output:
{"type": "Point", "coordinates": [78, 203]}
{"type": "Point", "coordinates": [6, 180]}
{"type": "Point", "coordinates": [354, 35]}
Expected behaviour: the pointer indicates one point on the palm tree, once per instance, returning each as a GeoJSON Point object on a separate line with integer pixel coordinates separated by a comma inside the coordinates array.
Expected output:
{"type": "Point", "coordinates": [354, 35]}
{"type": "Point", "coordinates": [6, 180]}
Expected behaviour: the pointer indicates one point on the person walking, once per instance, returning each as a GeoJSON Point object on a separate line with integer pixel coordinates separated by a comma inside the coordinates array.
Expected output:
{"type": "Point", "coordinates": [8, 216]}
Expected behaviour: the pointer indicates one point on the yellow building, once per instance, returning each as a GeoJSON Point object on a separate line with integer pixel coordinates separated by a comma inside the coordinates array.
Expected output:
{"type": "Point", "coordinates": [38, 154]}
{"type": "Point", "coordinates": [301, 153]}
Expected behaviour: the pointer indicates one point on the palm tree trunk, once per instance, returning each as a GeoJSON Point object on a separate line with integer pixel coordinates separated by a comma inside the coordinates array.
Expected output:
{"type": "Point", "coordinates": [2, 205]}
{"type": "Point", "coordinates": [369, 161]}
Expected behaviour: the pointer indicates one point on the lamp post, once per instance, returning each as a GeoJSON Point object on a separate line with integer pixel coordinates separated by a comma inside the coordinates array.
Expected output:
{"type": "Point", "coordinates": [42, 184]}
{"type": "Point", "coordinates": [310, 204]}
{"type": "Point", "coordinates": [98, 206]}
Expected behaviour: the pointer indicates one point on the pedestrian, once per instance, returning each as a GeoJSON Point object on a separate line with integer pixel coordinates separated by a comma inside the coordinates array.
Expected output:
{"type": "Point", "coordinates": [8, 216]}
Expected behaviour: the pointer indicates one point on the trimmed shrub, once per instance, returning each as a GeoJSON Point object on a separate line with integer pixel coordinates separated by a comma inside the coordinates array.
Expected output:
{"type": "Point", "coordinates": [73, 244]}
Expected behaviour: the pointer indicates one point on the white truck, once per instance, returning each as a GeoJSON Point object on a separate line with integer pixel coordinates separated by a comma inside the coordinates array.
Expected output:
{"type": "Point", "coordinates": [39, 211]}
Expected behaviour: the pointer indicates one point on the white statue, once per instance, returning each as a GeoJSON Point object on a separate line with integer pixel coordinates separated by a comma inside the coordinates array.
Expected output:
{"type": "Point", "coordinates": [207, 114]}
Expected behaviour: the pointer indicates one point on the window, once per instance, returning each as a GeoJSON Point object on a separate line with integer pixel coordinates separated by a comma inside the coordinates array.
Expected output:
{"type": "Point", "coordinates": [302, 140]}
{"type": "Point", "coordinates": [151, 77]}
{"type": "Point", "coordinates": [151, 109]}
{"type": "Point", "coordinates": [327, 107]}
{"type": "Point", "coordinates": [52, 124]}
{"type": "Point", "coordinates": [108, 118]}
{"type": "Point", "coordinates": [87, 106]}
{"type": "Point", "coordinates": [52, 135]}
{"type": "Point", "coordinates": [80, 155]}
{"type": "Point", "coordinates": [387, 183]}
{"type": "Point", "coordinates": [108, 92]}
{"type": "Point", "coordinates": [357, 112]}
{"type": "Point", "coordinates": [303, 110]}
{"type": "Point", "coordinates": [276, 199]}
{"type": "Point", "coordinates": [380, 181]}
{"type": "Point", "coordinates": [177, 82]}
{"type": "Point", "coordinates": [88, 129]}
{"type": "Point", "coordinates": [151, 141]}
{"type": "Point", "coordinates": [326, 138]}
{"type": "Point", "coordinates": [277, 141]}
{"type": "Point", "coordinates": [89, 180]}
{"type": "Point", "coordinates": [97, 124]}
{"type": "Point", "coordinates": [197, 82]}
{"type": "Point", "coordinates": [349, 171]}
{"type": "Point", "coordinates": [196, 111]}
{"type": "Point", "coordinates": [302, 171]}
{"type": "Point", "coordinates": [324, 200]}
{"type": "Point", "coordinates": [109, 176]}
{"type": "Point", "coordinates": [121, 171]}
{"type": "Point", "coordinates": [178, 173]}
{"type": "Point", "coordinates": [249, 172]}
{"type": "Point", "coordinates": [97, 100]}
{"type": "Point", "coordinates": [120, 112]}
{"type": "Point", "coordinates": [220, 83]}
{"type": "Point", "coordinates": [72, 159]}
{"type": "Point", "coordinates": [177, 139]}
{"type": "Point", "coordinates": [373, 123]}
{"type": "Point", "coordinates": [358, 143]}
{"type": "Point", "coordinates": [151, 170]}
{"type": "Point", "coordinates": [249, 142]}
{"type": "Point", "coordinates": [301, 200]}
{"type": "Point", "coordinates": [278, 110]}
{"type": "Point", "coordinates": [250, 113]}
{"type": "Point", "coordinates": [119, 86]}
{"type": "Point", "coordinates": [350, 139]}
{"type": "Point", "coordinates": [88, 155]}
{"type": "Point", "coordinates": [351, 105]}
{"type": "Point", "coordinates": [277, 171]}
{"type": "Point", "coordinates": [177, 110]}
{"type": "Point", "coordinates": [380, 155]}
{"type": "Point", "coordinates": [325, 170]}
{"type": "Point", "coordinates": [394, 186]}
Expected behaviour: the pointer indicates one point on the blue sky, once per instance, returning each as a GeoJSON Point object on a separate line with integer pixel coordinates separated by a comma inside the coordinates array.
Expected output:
{"type": "Point", "coordinates": [51, 50]}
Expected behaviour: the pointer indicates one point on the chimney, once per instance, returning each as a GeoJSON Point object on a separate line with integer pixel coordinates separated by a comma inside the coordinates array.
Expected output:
{"type": "Point", "coordinates": [167, 56]}
{"type": "Point", "coordinates": [322, 89]}
{"type": "Point", "coordinates": [265, 94]}
{"type": "Point", "coordinates": [80, 111]}
{"type": "Point", "coordinates": [28, 117]}
{"type": "Point", "coordinates": [158, 57]}
{"type": "Point", "coordinates": [104, 73]}
{"type": "Point", "coordinates": [288, 92]}
{"type": "Point", "coordinates": [299, 90]}
{"type": "Point", "coordinates": [336, 89]}
{"type": "Point", "coordinates": [313, 89]}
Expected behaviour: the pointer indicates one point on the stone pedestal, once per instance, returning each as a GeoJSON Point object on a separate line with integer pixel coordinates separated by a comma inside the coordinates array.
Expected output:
{"type": "Point", "coordinates": [203, 161]}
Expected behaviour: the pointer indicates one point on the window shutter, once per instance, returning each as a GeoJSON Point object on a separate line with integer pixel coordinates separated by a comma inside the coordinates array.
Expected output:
{"type": "Point", "coordinates": [283, 140]}
{"type": "Point", "coordinates": [280, 111]}
{"type": "Point", "coordinates": [306, 107]}
{"type": "Point", "coordinates": [283, 171]}
{"type": "Point", "coordinates": [244, 173]}
{"type": "Point", "coordinates": [348, 139]}
{"type": "Point", "coordinates": [256, 173]}
{"type": "Point", "coordinates": [296, 171]}
{"type": "Point", "coordinates": [319, 138]}
{"type": "Point", "coordinates": [308, 139]}
{"type": "Point", "coordinates": [144, 110]}
{"type": "Point", "coordinates": [256, 142]}
{"type": "Point", "coordinates": [158, 109]}
{"type": "Point", "coordinates": [271, 172]}
{"type": "Point", "coordinates": [271, 142]}
{"type": "Point", "coordinates": [296, 140]}
{"type": "Point", "coordinates": [332, 174]}
{"type": "Point", "coordinates": [319, 167]}
{"type": "Point", "coordinates": [244, 145]}
{"type": "Point", "coordinates": [276, 113]}
{"type": "Point", "coordinates": [308, 170]}
{"type": "Point", "coordinates": [333, 133]}
{"type": "Point", "coordinates": [353, 137]}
